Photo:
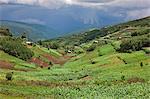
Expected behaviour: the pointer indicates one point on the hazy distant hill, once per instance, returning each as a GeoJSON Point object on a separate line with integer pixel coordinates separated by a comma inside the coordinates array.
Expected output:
{"type": "Point", "coordinates": [34, 31]}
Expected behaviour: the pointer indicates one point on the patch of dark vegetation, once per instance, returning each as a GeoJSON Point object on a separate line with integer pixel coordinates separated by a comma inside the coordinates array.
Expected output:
{"type": "Point", "coordinates": [91, 48]}
{"type": "Point", "coordinates": [135, 43]}
{"type": "Point", "coordinates": [49, 68]}
{"type": "Point", "coordinates": [92, 62]}
{"type": "Point", "coordinates": [52, 45]}
{"type": "Point", "coordinates": [141, 64]}
{"type": "Point", "coordinates": [141, 32]}
{"type": "Point", "coordinates": [14, 47]}
{"type": "Point", "coordinates": [9, 76]}
{"type": "Point", "coordinates": [123, 77]}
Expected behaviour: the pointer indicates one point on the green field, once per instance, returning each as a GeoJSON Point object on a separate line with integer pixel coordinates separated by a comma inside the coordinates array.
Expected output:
{"type": "Point", "coordinates": [79, 78]}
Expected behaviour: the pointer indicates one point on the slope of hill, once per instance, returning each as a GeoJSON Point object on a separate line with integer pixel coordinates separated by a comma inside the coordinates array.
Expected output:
{"type": "Point", "coordinates": [92, 69]}
{"type": "Point", "coordinates": [35, 32]}
{"type": "Point", "coordinates": [92, 34]}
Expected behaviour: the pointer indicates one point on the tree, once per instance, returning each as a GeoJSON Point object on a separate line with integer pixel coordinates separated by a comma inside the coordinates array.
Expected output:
{"type": "Point", "coordinates": [24, 35]}
{"type": "Point", "coordinates": [141, 64]}
{"type": "Point", "coordinates": [50, 63]}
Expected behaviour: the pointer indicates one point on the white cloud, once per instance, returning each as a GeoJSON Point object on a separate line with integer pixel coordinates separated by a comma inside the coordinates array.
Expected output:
{"type": "Point", "coordinates": [87, 3]}
{"type": "Point", "coordinates": [138, 13]}
{"type": "Point", "coordinates": [130, 7]}
{"type": "Point", "coordinates": [33, 21]}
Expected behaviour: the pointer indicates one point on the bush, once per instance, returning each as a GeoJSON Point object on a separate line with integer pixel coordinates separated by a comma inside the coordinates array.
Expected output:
{"type": "Point", "coordinates": [134, 44]}
{"type": "Point", "coordinates": [141, 64]}
{"type": "Point", "coordinates": [122, 77]}
{"type": "Point", "coordinates": [92, 62]}
{"type": "Point", "coordinates": [91, 48]}
{"type": "Point", "coordinates": [52, 45]}
{"type": "Point", "coordinates": [141, 32]}
{"type": "Point", "coordinates": [49, 68]}
{"type": "Point", "coordinates": [9, 76]}
{"type": "Point", "coordinates": [50, 63]}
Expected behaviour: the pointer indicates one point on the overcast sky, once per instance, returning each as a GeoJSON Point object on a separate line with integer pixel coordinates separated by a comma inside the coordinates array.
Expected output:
{"type": "Point", "coordinates": [132, 8]}
{"type": "Point", "coordinates": [136, 8]}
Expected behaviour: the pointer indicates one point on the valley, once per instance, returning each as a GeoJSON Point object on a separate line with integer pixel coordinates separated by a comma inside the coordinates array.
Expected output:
{"type": "Point", "coordinates": [112, 62]}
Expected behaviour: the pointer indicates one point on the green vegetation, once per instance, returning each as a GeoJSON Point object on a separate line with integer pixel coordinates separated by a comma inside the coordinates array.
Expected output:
{"type": "Point", "coordinates": [92, 65]}
{"type": "Point", "coordinates": [135, 43]}
{"type": "Point", "coordinates": [14, 47]}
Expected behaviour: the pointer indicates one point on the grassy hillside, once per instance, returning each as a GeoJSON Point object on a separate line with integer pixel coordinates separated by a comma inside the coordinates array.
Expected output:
{"type": "Point", "coordinates": [94, 68]}
{"type": "Point", "coordinates": [123, 29]}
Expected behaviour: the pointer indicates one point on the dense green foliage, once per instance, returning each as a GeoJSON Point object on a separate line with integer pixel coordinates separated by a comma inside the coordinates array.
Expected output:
{"type": "Point", "coordinates": [51, 45]}
{"type": "Point", "coordinates": [141, 32]}
{"type": "Point", "coordinates": [135, 43]}
{"type": "Point", "coordinates": [14, 47]}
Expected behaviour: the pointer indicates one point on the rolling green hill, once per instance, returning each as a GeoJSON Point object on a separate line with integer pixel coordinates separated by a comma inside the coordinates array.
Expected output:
{"type": "Point", "coordinates": [108, 63]}
{"type": "Point", "coordinates": [121, 29]}
{"type": "Point", "coordinates": [34, 32]}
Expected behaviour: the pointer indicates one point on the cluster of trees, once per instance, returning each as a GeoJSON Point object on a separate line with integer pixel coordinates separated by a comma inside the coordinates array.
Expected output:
{"type": "Point", "coordinates": [52, 45]}
{"type": "Point", "coordinates": [135, 43]}
{"type": "Point", "coordinates": [141, 32]}
{"type": "Point", "coordinates": [14, 47]}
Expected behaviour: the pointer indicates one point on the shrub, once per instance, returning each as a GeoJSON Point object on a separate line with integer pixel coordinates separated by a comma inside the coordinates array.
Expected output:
{"type": "Point", "coordinates": [141, 32]}
{"type": "Point", "coordinates": [91, 48]}
{"type": "Point", "coordinates": [122, 77]}
{"type": "Point", "coordinates": [50, 63]}
{"type": "Point", "coordinates": [141, 64]}
{"type": "Point", "coordinates": [49, 68]}
{"type": "Point", "coordinates": [135, 43]}
{"type": "Point", "coordinates": [9, 76]}
{"type": "Point", "coordinates": [92, 62]}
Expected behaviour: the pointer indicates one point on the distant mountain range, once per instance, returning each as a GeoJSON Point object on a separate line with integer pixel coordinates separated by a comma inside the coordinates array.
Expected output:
{"type": "Point", "coordinates": [34, 31]}
{"type": "Point", "coordinates": [65, 20]}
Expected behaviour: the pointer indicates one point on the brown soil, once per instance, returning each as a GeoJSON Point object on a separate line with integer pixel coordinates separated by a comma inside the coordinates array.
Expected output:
{"type": "Point", "coordinates": [135, 80]}
{"type": "Point", "coordinates": [39, 62]}
{"type": "Point", "coordinates": [61, 60]}
{"type": "Point", "coordinates": [6, 65]}
{"type": "Point", "coordinates": [87, 78]}
{"type": "Point", "coordinates": [43, 83]}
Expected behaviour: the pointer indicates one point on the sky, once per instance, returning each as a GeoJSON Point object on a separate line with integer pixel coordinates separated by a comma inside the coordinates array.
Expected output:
{"type": "Point", "coordinates": [136, 8]}
{"type": "Point", "coordinates": [74, 14]}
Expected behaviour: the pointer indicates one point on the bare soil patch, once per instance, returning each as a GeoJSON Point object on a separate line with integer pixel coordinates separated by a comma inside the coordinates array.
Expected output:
{"type": "Point", "coordinates": [135, 80]}
{"type": "Point", "coordinates": [6, 65]}
{"type": "Point", "coordinates": [39, 62]}
{"type": "Point", "coordinates": [61, 60]}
